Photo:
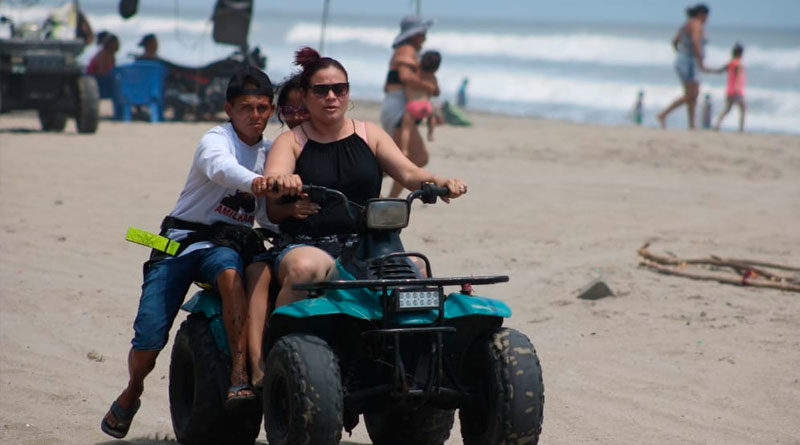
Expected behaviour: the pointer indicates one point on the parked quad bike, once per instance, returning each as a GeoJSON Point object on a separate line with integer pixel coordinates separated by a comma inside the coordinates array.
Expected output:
{"type": "Point", "coordinates": [380, 340]}
{"type": "Point", "coordinates": [40, 72]}
{"type": "Point", "coordinates": [201, 90]}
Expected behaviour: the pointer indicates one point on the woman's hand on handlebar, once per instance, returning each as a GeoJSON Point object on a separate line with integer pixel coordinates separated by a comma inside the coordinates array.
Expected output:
{"type": "Point", "coordinates": [284, 184]}
{"type": "Point", "coordinates": [456, 186]}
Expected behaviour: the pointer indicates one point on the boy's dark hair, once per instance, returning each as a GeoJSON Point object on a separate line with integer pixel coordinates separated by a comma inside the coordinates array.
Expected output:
{"type": "Point", "coordinates": [249, 80]}
{"type": "Point", "coordinates": [430, 61]}
{"type": "Point", "coordinates": [738, 50]}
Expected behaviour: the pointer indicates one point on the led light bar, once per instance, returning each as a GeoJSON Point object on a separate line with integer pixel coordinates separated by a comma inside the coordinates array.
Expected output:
{"type": "Point", "coordinates": [412, 299]}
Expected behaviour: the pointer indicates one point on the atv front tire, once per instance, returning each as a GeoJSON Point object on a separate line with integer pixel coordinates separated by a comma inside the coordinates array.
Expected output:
{"type": "Point", "coordinates": [199, 376]}
{"type": "Point", "coordinates": [425, 425]}
{"type": "Point", "coordinates": [88, 106]}
{"type": "Point", "coordinates": [303, 398]}
{"type": "Point", "coordinates": [509, 403]}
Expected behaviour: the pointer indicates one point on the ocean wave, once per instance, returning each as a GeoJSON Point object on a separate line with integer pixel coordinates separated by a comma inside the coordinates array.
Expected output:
{"type": "Point", "coordinates": [569, 47]}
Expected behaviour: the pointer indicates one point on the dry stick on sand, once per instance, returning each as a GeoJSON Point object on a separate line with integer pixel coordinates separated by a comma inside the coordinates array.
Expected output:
{"type": "Point", "coordinates": [747, 274]}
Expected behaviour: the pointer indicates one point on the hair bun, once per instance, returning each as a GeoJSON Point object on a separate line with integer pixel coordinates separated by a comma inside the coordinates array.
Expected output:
{"type": "Point", "coordinates": [306, 57]}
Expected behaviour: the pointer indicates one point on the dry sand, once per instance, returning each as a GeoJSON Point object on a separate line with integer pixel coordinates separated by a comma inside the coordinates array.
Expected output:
{"type": "Point", "coordinates": [552, 204]}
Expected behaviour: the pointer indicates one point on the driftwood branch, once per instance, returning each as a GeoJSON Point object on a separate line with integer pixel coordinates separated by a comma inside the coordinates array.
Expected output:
{"type": "Point", "coordinates": [746, 273]}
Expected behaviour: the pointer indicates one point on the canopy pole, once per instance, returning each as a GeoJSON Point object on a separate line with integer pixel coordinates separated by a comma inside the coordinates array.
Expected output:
{"type": "Point", "coordinates": [325, 9]}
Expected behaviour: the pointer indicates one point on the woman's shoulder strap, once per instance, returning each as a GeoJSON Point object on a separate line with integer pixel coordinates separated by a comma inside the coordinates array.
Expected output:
{"type": "Point", "coordinates": [360, 128]}
{"type": "Point", "coordinates": [300, 136]}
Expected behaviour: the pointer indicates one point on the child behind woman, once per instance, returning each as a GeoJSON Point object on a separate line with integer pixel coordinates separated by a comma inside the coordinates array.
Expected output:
{"type": "Point", "coordinates": [418, 104]}
{"type": "Point", "coordinates": [734, 93]}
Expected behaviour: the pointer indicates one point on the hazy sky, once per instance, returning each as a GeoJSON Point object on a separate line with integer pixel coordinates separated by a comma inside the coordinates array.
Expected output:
{"type": "Point", "coordinates": [783, 13]}
{"type": "Point", "coordinates": [778, 13]}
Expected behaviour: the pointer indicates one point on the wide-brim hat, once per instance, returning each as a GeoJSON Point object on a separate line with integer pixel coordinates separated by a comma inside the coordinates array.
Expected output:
{"type": "Point", "coordinates": [411, 25]}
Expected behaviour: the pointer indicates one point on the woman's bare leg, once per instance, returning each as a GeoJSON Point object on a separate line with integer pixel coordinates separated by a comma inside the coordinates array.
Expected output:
{"type": "Point", "coordinates": [417, 151]}
{"type": "Point", "coordinates": [301, 265]}
{"type": "Point", "coordinates": [403, 140]}
{"type": "Point", "coordinates": [257, 278]}
{"type": "Point", "coordinates": [688, 87]}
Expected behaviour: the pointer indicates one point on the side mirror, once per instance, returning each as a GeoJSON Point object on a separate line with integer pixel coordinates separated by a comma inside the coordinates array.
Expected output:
{"type": "Point", "coordinates": [387, 214]}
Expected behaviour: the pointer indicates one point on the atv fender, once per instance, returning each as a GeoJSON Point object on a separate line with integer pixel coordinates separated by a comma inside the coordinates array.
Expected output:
{"type": "Point", "coordinates": [209, 305]}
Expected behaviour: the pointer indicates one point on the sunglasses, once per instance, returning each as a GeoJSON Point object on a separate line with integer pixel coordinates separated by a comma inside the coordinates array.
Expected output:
{"type": "Point", "coordinates": [339, 89]}
{"type": "Point", "coordinates": [288, 110]}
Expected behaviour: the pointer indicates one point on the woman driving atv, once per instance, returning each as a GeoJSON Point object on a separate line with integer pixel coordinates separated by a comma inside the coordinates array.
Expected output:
{"type": "Point", "coordinates": [337, 152]}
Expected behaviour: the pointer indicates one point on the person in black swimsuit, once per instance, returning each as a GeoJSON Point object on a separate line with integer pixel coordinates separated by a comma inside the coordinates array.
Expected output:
{"type": "Point", "coordinates": [334, 151]}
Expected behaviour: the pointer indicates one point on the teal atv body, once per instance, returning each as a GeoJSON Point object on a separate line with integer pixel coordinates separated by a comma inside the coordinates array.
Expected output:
{"type": "Point", "coordinates": [382, 339]}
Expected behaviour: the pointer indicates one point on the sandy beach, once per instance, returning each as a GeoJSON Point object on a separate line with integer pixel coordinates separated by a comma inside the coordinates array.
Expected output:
{"type": "Point", "coordinates": [554, 205]}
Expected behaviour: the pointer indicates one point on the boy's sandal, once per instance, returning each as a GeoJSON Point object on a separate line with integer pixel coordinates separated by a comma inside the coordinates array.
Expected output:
{"type": "Point", "coordinates": [123, 419]}
{"type": "Point", "coordinates": [234, 402]}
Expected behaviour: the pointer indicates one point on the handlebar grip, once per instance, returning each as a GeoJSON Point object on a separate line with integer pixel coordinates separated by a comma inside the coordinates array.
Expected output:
{"type": "Point", "coordinates": [429, 192]}
{"type": "Point", "coordinates": [440, 191]}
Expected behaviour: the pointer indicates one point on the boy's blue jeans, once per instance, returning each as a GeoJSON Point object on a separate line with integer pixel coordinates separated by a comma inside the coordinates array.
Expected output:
{"type": "Point", "coordinates": [164, 289]}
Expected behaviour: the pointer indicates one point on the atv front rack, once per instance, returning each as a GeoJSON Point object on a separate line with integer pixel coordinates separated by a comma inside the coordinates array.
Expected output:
{"type": "Point", "coordinates": [387, 283]}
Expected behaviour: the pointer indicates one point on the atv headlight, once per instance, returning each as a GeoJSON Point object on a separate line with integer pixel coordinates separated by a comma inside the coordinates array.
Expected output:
{"type": "Point", "coordinates": [387, 214]}
{"type": "Point", "coordinates": [414, 299]}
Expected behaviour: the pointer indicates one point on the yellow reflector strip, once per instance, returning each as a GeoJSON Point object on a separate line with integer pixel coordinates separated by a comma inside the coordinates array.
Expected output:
{"type": "Point", "coordinates": [158, 242]}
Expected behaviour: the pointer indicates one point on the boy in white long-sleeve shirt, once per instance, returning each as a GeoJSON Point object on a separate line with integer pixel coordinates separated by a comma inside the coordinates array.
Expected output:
{"type": "Point", "coordinates": [213, 215]}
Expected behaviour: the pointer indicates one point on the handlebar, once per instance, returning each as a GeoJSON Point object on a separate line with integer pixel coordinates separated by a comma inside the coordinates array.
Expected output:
{"type": "Point", "coordinates": [428, 193]}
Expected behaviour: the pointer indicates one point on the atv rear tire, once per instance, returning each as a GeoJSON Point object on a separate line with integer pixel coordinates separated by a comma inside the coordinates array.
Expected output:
{"type": "Point", "coordinates": [509, 410]}
{"type": "Point", "coordinates": [302, 393]}
{"type": "Point", "coordinates": [52, 120]}
{"type": "Point", "coordinates": [199, 376]}
{"type": "Point", "coordinates": [425, 425]}
{"type": "Point", "coordinates": [88, 106]}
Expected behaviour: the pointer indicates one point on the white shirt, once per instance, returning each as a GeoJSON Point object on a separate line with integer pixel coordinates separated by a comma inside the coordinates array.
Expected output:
{"type": "Point", "coordinates": [218, 187]}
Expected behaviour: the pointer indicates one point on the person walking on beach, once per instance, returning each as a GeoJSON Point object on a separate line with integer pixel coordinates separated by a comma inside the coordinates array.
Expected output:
{"type": "Point", "coordinates": [213, 214]}
{"type": "Point", "coordinates": [404, 72]}
{"type": "Point", "coordinates": [689, 42]}
{"type": "Point", "coordinates": [734, 92]}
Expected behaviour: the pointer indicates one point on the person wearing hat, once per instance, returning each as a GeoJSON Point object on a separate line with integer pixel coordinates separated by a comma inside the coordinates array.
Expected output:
{"type": "Point", "coordinates": [404, 72]}
{"type": "Point", "coordinates": [212, 223]}
{"type": "Point", "coordinates": [150, 44]}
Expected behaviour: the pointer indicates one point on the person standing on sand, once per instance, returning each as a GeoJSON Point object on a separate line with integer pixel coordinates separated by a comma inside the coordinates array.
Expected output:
{"type": "Point", "coordinates": [689, 43]}
{"type": "Point", "coordinates": [734, 92]}
{"type": "Point", "coordinates": [214, 213]}
{"type": "Point", "coordinates": [404, 72]}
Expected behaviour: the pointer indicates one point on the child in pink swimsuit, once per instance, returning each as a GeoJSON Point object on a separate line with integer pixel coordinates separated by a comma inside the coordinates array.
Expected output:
{"type": "Point", "coordinates": [418, 104]}
{"type": "Point", "coordinates": [734, 93]}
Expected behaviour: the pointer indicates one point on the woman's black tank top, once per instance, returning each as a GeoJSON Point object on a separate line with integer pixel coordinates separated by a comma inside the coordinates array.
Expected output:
{"type": "Point", "coordinates": [347, 165]}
